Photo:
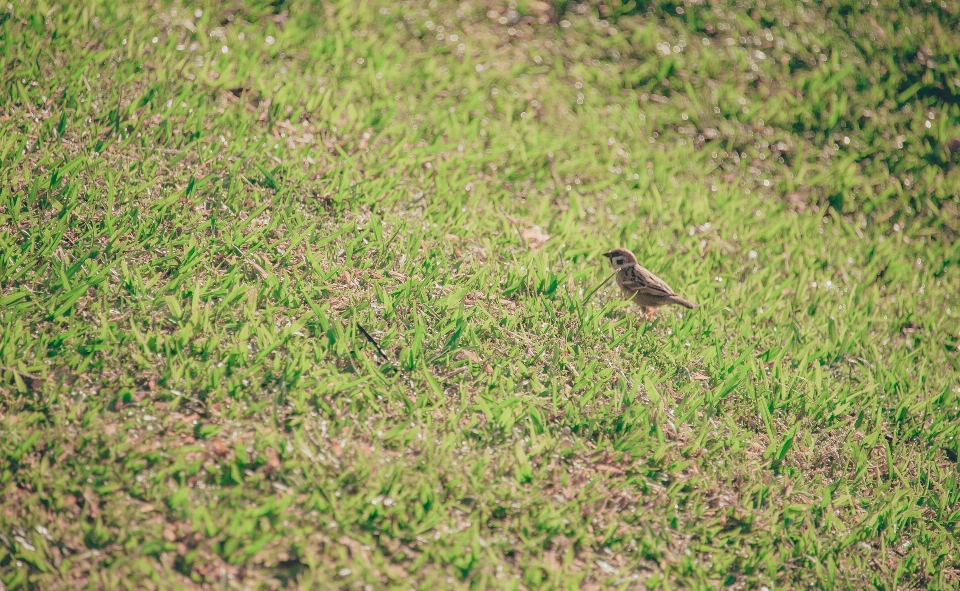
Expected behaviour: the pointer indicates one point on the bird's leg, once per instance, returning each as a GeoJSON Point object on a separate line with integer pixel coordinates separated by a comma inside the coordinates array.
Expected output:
{"type": "Point", "coordinates": [652, 313]}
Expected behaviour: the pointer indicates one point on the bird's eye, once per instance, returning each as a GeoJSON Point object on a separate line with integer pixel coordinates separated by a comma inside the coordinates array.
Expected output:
{"type": "Point", "coordinates": [618, 261]}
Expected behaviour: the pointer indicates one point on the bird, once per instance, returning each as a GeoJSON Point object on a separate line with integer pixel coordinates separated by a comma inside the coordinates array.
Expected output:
{"type": "Point", "coordinates": [645, 289]}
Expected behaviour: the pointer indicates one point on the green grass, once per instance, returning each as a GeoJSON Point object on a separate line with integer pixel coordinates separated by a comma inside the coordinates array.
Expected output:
{"type": "Point", "coordinates": [203, 209]}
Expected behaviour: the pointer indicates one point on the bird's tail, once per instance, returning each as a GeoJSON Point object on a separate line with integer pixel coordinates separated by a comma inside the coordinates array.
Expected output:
{"type": "Point", "coordinates": [679, 300]}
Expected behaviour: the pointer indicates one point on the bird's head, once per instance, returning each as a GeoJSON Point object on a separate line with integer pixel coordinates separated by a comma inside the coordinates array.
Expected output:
{"type": "Point", "coordinates": [621, 257]}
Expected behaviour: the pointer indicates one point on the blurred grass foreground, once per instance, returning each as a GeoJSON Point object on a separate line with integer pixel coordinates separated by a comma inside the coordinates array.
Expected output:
{"type": "Point", "coordinates": [299, 295]}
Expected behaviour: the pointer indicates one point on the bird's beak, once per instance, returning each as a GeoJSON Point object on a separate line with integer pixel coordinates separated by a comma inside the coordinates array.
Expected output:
{"type": "Point", "coordinates": [608, 254]}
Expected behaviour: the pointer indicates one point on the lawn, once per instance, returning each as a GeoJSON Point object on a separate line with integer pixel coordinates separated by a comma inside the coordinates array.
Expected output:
{"type": "Point", "coordinates": [303, 294]}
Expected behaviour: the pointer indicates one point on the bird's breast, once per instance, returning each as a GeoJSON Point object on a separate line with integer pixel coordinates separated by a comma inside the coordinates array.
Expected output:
{"type": "Point", "coordinates": [621, 281]}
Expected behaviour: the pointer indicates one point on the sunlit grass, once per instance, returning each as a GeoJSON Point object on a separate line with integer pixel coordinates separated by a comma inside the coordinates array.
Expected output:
{"type": "Point", "coordinates": [295, 295]}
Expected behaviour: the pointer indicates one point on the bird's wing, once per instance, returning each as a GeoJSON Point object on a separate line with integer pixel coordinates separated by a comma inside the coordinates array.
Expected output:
{"type": "Point", "coordinates": [638, 279]}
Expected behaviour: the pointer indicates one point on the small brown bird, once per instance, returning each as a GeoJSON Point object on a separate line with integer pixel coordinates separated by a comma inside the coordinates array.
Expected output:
{"type": "Point", "coordinates": [640, 285]}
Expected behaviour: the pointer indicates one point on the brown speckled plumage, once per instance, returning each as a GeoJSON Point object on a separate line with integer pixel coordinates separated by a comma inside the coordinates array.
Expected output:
{"type": "Point", "coordinates": [640, 285]}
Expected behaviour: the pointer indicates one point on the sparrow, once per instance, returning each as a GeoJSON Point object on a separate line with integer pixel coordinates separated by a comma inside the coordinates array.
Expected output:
{"type": "Point", "coordinates": [640, 285]}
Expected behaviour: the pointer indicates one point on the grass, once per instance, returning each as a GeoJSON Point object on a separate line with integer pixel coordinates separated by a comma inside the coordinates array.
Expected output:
{"type": "Point", "coordinates": [295, 295]}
